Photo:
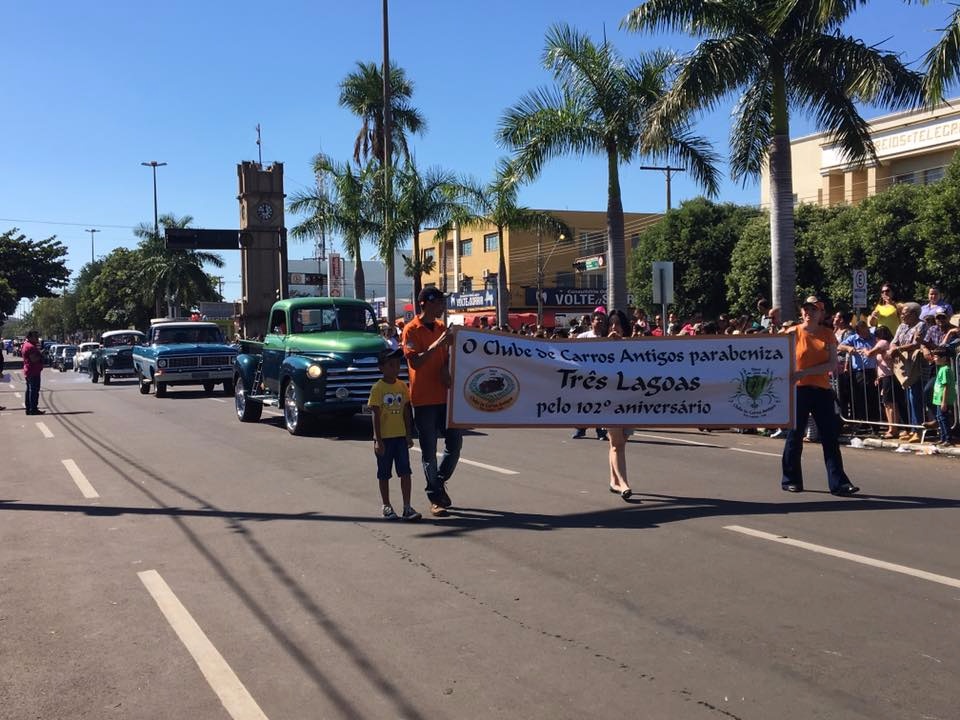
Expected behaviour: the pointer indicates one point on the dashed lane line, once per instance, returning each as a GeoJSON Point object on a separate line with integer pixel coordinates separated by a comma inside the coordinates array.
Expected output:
{"type": "Point", "coordinates": [844, 555]}
{"type": "Point", "coordinates": [80, 479]}
{"type": "Point", "coordinates": [492, 468]}
{"type": "Point", "coordinates": [42, 427]}
{"type": "Point", "coordinates": [235, 697]}
{"type": "Point", "coordinates": [755, 452]}
{"type": "Point", "coordinates": [703, 444]}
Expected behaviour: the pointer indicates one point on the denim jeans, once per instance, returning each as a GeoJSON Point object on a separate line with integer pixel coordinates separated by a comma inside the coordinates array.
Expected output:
{"type": "Point", "coordinates": [943, 423]}
{"type": "Point", "coordinates": [819, 403]}
{"type": "Point", "coordinates": [431, 423]}
{"type": "Point", "coordinates": [33, 393]}
{"type": "Point", "coordinates": [915, 403]}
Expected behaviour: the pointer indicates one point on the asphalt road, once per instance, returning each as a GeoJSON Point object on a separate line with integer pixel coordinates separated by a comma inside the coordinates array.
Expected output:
{"type": "Point", "coordinates": [159, 559]}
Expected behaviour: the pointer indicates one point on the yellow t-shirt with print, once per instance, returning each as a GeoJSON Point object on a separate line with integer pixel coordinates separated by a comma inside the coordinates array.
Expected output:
{"type": "Point", "coordinates": [391, 399]}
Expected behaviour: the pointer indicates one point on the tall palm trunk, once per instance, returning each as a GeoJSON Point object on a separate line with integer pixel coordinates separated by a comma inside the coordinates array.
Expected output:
{"type": "Point", "coordinates": [359, 280]}
{"type": "Point", "coordinates": [616, 253]}
{"type": "Point", "coordinates": [503, 299]}
{"type": "Point", "coordinates": [783, 266]}
{"type": "Point", "coordinates": [417, 278]}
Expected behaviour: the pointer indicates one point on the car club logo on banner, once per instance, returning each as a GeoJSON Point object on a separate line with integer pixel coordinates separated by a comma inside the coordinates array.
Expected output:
{"type": "Point", "coordinates": [503, 380]}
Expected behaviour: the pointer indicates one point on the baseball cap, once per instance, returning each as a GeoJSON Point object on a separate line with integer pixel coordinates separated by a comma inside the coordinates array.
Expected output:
{"type": "Point", "coordinates": [941, 313]}
{"type": "Point", "coordinates": [812, 300]}
{"type": "Point", "coordinates": [429, 294]}
{"type": "Point", "coordinates": [389, 354]}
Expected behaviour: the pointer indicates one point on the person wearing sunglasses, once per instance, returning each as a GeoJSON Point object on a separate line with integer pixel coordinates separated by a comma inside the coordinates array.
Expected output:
{"type": "Point", "coordinates": [885, 313]}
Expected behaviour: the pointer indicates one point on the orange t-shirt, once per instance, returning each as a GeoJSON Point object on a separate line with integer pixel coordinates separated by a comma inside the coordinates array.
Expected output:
{"type": "Point", "coordinates": [426, 388]}
{"type": "Point", "coordinates": [813, 348]}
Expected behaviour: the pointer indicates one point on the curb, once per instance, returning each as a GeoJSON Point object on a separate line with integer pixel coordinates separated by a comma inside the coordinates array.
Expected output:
{"type": "Point", "coordinates": [915, 448]}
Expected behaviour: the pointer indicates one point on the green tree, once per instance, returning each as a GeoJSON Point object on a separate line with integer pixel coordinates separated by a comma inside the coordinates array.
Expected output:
{"type": "Point", "coordinates": [30, 268]}
{"type": "Point", "coordinates": [345, 205]}
{"type": "Point", "coordinates": [177, 275]}
{"type": "Point", "coordinates": [699, 237]}
{"type": "Point", "coordinates": [361, 92]}
{"type": "Point", "coordinates": [938, 230]}
{"type": "Point", "coordinates": [110, 294]}
{"type": "Point", "coordinates": [599, 107]}
{"type": "Point", "coordinates": [423, 199]}
{"type": "Point", "coordinates": [46, 316]}
{"type": "Point", "coordinates": [496, 204]}
{"type": "Point", "coordinates": [785, 56]}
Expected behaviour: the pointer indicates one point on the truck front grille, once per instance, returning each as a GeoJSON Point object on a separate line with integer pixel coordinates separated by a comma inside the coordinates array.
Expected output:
{"type": "Point", "coordinates": [358, 378]}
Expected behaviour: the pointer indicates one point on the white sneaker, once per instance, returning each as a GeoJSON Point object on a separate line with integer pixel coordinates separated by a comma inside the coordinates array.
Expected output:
{"type": "Point", "coordinates": [410, 514]}
{"type": "Point", "coordinates": [388, 513]}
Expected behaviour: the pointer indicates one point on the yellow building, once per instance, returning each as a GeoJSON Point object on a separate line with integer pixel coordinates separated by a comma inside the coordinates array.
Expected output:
{"type": "Point", "coordinates": [911, 147]}
{"type": "Point", "coordinates": [466, 264]}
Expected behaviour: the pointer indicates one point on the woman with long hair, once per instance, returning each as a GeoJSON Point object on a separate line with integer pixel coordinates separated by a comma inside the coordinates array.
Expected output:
{"type": "Point", "coordinates": [618, 327]}
{"type": "Point", "coordinates": [886, 312]}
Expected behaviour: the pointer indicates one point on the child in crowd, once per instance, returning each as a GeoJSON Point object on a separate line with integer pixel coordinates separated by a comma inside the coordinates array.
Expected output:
{"type": "Point", "coordinates": [944, 392]}
{"type": "Point", "coordinates": [392, 432]}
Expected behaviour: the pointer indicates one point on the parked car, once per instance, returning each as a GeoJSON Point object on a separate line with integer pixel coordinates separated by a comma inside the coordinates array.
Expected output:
{"type": "Point", "coordinates": [81, 362]}
{"type": "Point", "coordinates": [64, 358]}
{"type": "Point", "coordinates": [114, 357]}
{"type": "Point", "coordinates": [49, 352]}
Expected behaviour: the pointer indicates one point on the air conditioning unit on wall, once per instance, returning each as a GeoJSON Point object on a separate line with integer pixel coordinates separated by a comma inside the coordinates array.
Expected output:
{"type": "Point", "coordinates": [486, 273]}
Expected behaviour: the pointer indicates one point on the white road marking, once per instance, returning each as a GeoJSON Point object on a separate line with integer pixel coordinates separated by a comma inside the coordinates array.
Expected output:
{"type": "Point", "coordinates": [45, 430]}
{"type": "Point", "coordinates": [862, 559]}
{"type": "Point", "coordinates": [80, 479]}
{"type": "Point", "coordinates": [494, 468]}
{"type": "Point", "coordinates": [755, 452]}
{"type": "Point", "coordinates": [235, 697]}
{"type": "Point", "coordinates": [218, 400]}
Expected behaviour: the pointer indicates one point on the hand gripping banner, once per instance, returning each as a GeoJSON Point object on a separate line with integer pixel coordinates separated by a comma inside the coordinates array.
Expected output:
{"type": "Point", "coordinates": [706, 381]}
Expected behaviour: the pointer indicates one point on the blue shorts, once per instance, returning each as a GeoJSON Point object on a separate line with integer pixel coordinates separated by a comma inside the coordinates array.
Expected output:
{"type": "Point", "coordinates": [395, 453]}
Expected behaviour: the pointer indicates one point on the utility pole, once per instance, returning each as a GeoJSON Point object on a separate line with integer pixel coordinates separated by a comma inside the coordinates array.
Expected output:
{"type": "Point", "coordinates": [259, 148]}
{"type": "Point", "coordinates": [387, 170]}
{"type": "Point", "coordinates": [669, 172]}
{"type": "Point", "coordinates": [91, 231]}
{"type": "Point", "coordinates": [154, 164]}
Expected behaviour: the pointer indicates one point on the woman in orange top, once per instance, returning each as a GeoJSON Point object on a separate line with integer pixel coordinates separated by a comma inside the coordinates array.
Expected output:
{"type": "Point", "coordinates": [816, 349]}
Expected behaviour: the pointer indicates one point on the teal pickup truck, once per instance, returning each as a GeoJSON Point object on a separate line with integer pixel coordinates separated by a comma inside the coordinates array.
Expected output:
{"type": "Point", "coordinates": [318, 359]}
{"type": "Point", "coordinates": [184, 352]}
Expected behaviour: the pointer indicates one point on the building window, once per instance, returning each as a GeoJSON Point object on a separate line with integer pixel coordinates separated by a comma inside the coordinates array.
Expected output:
{"type": "Point", "coordinates": [905, 179]}
{"type": "Point", "coordinates": [933, 175]}
{"type": "Point", "coordinates": [491, 243]}
{"type": "Point", "coordinates": [565, 280]}
{"type": "Point", "coordinates": [634, 241]}
{"type": "Point", "coordinates": [595, 280]}
{"type": "Point", "coordinates": [584, 243]}
{"type": "Point", "coordinates": [466, 247]}
{"type": "Point", "coordinates": [429, 254]}
{"type": "Point", "coordinates": [490, 282]}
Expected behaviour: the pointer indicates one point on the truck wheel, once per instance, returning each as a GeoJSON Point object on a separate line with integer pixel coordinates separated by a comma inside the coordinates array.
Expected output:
{"type": "Point", "coordinates": [106, 379]}
{"type": "Point", "coordinates": [144, 385]}
{"type": "Point", "coordinates": [294, 417]}
{"type": "Point", "coordinates": [228, 387]}
{"type": "Point", "coordinates": [247, 410]}
{"type": "Point", "coordinates": [208, 387]}
{"type": "Point", "coordinates": [93, 374]}
{"type": "Point", "coordinates": [161, 389]}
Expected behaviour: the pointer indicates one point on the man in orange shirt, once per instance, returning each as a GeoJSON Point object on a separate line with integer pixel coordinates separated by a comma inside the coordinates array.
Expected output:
{"type": "Point", "coordinates": [816, 357]}
{"type": "Point", "coordinates": [425, 345]}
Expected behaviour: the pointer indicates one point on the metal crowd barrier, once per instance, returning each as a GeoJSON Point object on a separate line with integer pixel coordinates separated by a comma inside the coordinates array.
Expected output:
{"type": "Point", "coordinates": [858, 397]}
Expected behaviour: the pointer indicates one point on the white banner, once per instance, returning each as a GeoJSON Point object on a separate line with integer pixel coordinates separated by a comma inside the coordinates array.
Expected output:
{"type": "Point", "coordinates": [503, 380]}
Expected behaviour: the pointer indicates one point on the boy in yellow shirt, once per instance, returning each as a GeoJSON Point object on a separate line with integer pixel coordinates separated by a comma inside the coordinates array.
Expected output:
{"type": "Point", "coordinates": [392, 432]}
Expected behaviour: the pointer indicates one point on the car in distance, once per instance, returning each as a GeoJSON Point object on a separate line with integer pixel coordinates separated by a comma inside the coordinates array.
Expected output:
{"type": "Point", "coordinates": [64, 359]}
{"type": "Point", "coordinates": [114, 358]}
{"type": "Point", "coordinates": [184, 352]}
{"type": "Point", "coordinates": [81, 360]}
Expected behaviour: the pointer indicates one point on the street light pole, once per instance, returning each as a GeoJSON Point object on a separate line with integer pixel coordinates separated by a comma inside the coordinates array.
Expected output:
{"type": "Point", "coordinates": [154, 164]}
{"type": "Point", "coordinates": [91, 231]}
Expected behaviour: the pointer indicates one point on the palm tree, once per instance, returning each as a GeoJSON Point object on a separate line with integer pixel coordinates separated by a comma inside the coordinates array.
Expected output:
{"type": "Point", "coordinates": [496, 204]}
{"type": "Point", "coordinates": [361, 92]}
{"type": "Point", "coordinates": [177, 275]}
{"type": "Point", "coordinates": [599, 108]}
{"type": "Point", "coordinates": [424, 199]}
{"type": "Point", "coordinates": [784, 56]}
{"type": "Point", "coordinates": [346, 207]}
{"type": "Point", "coordinates": [942, 61]}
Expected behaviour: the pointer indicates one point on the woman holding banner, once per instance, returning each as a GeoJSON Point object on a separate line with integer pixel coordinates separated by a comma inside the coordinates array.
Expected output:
{"type": "Point", "coordinates": [618, 327]}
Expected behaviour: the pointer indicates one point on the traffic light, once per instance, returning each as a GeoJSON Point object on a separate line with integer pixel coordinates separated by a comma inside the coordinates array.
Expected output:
{"type": "Point", "coordinates": [580, 265]}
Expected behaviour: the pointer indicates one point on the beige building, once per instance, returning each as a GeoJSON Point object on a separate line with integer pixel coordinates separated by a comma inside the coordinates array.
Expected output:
{"type": "Point", "coordinates": [911, 147]}
{"type": "Point", "coordinates": [466, 264]}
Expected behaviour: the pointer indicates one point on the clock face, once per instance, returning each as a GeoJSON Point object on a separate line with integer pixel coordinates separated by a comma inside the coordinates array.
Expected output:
{"type": "Point", "coordinates": [265, 211]}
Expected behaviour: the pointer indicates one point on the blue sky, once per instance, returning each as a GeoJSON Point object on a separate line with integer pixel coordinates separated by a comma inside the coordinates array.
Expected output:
{"type": "Point", "coordinates": [91, 90]}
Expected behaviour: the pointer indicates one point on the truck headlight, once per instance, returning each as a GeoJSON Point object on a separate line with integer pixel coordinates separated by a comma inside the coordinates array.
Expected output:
{"type": "Point", "coordinates": [315, 371]}
{"type": "Point", "coordinates": [161, 363]}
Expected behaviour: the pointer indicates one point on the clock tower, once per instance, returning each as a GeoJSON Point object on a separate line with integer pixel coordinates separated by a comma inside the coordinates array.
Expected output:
{"type": "Point", "coordinates": [263, 243]}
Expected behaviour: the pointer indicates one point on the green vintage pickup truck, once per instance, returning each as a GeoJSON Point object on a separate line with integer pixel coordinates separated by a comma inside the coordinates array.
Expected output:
{"type": "Point", "coordinates": [318, 359]}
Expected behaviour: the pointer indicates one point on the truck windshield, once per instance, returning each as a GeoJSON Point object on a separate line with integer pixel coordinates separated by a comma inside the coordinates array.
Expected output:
{"type": "Point", "coordinates": [169, 336]}
{"type": "Point", "coordinates": [348, 317]}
